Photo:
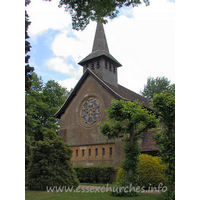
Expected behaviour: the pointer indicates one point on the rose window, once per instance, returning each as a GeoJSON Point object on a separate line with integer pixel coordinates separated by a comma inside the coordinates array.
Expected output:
{"type": "Point", "coordinates": [90, 111]}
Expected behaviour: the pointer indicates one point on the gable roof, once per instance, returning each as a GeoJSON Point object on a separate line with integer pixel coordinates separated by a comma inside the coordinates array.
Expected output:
{"type": "Point", "coordinates": [119, 92]}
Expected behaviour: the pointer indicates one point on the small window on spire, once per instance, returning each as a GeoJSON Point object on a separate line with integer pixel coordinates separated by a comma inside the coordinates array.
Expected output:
{"type": "Point", "coordinates": [110, 68]}
{"type": "Point", "coordinates": [106, 64]}
{"type": "Point", "coordinates": [98, 64]}
{"type": "Point", "coordinates": [92, 65]}
{"type": "Point", "coordinates": [114, 69]}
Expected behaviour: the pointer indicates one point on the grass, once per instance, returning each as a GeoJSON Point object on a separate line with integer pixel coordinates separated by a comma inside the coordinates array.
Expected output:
{"type": "Point", "coordinates": [99, 184]}
{"type": "Point", "coordinates": [44, 195]}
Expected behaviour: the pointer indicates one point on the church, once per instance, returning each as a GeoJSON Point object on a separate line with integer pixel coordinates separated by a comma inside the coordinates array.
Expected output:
{"type": "Point", "coordinates": [84, 109]}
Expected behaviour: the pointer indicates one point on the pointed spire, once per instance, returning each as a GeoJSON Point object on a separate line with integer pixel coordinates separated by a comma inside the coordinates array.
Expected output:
{"type": "Point", "coordinates": [100, 47]}
{"type": "Point", "coordinates": [100, 42]}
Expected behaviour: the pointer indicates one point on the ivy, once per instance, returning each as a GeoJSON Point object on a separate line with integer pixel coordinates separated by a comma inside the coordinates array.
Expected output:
{"type": "Point", "coordinates": [132, 119]}
{"type": "Point", "coordinates": [164, 104]}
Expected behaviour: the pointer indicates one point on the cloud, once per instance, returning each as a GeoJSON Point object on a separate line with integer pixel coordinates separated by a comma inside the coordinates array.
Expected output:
{"type": "Point", "coordinates": [75, 47]}
{"type": "Point", "coordinates": [46, 15]}
{"type": "Point", "coordinates": [68, 83]}
{"type": "Point", "coordinates": [60, 65]}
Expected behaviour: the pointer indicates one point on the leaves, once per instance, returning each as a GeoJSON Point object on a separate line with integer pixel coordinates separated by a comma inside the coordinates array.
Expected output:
{"type": "Point", "coordinates": [156, 86]}
{"type": "Point", "coordinates": [130, 118]}
{"type": "Point", "coordinates": [96, 10]}
{"type": "Point", "coordinates": [41, 103]}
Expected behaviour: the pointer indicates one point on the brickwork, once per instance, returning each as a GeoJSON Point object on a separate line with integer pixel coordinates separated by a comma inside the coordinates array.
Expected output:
{"type": "Point", "coordinates": [93, 159]}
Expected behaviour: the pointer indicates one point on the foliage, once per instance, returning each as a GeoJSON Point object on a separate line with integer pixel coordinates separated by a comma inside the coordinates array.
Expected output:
{"type": "Point", "coordinates": [121, 175]}
{"type": "Point", "coordinates": [96, 10]}
{"type": "Point", "coordinates": [50, 164]}
{"type": "Point", "coordinates": [28, 69]}
{"type": "Point", "coordinates": [156, 86]}
{"type": "Point", "coordinates": [27, 150]}
{"type": "Point", "coordinates": [41, 102]}
{"type": "Point", "coordinates": [133, 120]}
{"type": "Point", "coordinates": [150, 171]}
{"type": "Point", "coordinates": [164, 104]}
{"type": "Point", "coordinates": [94, 174]}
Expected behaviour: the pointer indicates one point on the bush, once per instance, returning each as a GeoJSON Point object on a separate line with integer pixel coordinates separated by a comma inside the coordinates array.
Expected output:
{"type": "Point", "coordinates": [94, 174]}
{"type": "Point", "coordinates": [50, 164]}
{"type": "Point", "coordinates": [121, 175]}
{"type": "Point", "coordinates": [151, 171]}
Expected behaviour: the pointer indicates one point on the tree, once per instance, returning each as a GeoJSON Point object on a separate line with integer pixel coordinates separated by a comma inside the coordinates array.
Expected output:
{"type": "Point", "coordinates": [156, 86]}
{"type": "Point", "coordinates": [50, 164]}
{"type": "Point", "coordinates": [133, 120]}
{"type": "Point", "coordinates": [28, 69]}
{"type": "Point", "coordinates": [164, 104]}
{"type": "Point", "coordinates": [41, 103]}
{"type": "Point", "coordinates": [82, 11]}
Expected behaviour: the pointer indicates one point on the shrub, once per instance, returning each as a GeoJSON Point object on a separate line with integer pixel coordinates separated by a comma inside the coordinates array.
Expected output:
{"type": "Point", "coordinates": [50, 164]}
{"type": "Point", "coordinates": [121, 175]}
{"type": "Point", "coordinates": [94, 174]}
{"type": "Point", "coordinates": [151, 171]}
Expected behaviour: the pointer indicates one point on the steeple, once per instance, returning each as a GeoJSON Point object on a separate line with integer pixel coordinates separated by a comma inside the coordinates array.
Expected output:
{"type": "Point", "coordinates": [100, 42]}
{"type": "Point", "coordinates": [100, 60]}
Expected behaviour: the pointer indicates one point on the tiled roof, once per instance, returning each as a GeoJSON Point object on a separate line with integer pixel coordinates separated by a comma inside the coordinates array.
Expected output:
{"type": "Point", "coordinates": [130, 95]}
{"type": "Point", "coordinates": [148, 144]}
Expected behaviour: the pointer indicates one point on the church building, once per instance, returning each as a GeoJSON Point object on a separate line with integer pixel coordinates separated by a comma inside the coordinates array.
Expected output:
{"type": "Point", "coordinates": [84, 109]}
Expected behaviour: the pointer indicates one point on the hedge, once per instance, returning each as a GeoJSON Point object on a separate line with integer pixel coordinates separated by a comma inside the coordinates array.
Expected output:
{"type": "Point", "coordinates": [94, 174]}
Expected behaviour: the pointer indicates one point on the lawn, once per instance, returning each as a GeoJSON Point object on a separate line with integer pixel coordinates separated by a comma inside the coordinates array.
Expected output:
{"type": "Point", "coordinates": [44, 195]}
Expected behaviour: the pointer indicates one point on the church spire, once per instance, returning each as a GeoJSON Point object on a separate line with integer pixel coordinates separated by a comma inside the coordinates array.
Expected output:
{"type": "Point", "coordinates": [100, 60]}
{"type": "Point", "coordinates": [100, 42]}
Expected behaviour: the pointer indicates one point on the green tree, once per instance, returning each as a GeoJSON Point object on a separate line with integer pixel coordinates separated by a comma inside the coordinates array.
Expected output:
{"type": "Point", "coordinates": [82, 11]}
{"type": "Point", "coordinates": [156, 86]}
{"type": "Point", "coordinates": [164, 104]}
{"type": "Point", "coordinates": [133, 120]}
{"type": "Point", "coordinates": [28, 69]}
{"type": "Point", "coordinates": [41, 103]}
{"type": "Point", "coordinates": [50, 164]}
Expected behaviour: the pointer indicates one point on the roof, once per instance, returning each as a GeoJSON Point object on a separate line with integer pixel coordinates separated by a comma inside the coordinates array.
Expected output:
{"type": "Point", "coordinates": [120, 92]}
{"type": "Point", "coordinates": [100, 47]}
{"type": "Point", "coordinates": [148, 143]}
{"type": "Point", "coordinates": [97, 54]}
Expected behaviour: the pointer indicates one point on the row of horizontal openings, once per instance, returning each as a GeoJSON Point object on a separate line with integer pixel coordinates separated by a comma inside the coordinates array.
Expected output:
{"type": "Point", "coordinates": [96, 152]}
{"type": "Point", "coordinates": [107, 64]}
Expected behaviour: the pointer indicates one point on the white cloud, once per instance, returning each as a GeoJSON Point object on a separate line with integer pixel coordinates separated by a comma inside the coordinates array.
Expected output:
{"type": "Point", "coordinates": [77, 47]}
{"type": "Point", "coordinates": [46, 15]}
{"type": "Point", "coordinates": [144, 45]}
{"type": "Point", "coordinates": [60, 65]}
{"type": "Point", "coordinates": [68, 83]}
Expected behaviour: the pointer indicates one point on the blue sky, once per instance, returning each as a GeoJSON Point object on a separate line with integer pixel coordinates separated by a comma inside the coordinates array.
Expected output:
{"type": "Point", "coordinates": [141, 38]}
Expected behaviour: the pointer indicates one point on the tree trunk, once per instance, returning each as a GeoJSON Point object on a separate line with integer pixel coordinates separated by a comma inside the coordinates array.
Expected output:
{"type": "Point", "coordinates": [132, 140]}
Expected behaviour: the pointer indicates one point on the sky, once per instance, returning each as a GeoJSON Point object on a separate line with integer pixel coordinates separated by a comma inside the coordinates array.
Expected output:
{"type": "Point", "coordinates": [142, 39]}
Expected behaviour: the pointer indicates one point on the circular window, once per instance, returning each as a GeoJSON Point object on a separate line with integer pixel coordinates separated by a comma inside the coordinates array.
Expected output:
{"type": "Point", "coordinates": [90, 111]}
